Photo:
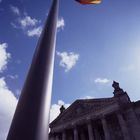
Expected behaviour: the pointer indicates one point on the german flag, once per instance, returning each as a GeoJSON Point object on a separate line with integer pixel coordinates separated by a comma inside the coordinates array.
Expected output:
{"type": "Point", "coordinates": [89, 1]}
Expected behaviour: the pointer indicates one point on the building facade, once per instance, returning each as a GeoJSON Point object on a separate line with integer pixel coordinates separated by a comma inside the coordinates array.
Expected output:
{"type": "Point", "coordinates": [115, 118]}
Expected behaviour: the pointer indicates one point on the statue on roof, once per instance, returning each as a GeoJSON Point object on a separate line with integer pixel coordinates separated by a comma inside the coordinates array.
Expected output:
{"type": "Point", "coordinates": [62, 109]}
{"type": "Point", "coordinates": [117, 89]}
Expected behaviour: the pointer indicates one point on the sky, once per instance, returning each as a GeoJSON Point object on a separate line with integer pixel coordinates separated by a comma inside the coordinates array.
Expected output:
{"type": "Point", "coordinates": [96, 44]}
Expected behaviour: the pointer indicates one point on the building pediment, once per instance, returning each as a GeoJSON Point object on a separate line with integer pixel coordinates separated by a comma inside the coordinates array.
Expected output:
{"type": "Point", "coordinates": [82, 107]}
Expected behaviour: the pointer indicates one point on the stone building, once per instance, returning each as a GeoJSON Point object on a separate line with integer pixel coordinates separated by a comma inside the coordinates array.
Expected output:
{"type": "Point", "coordinates": [115, 118]}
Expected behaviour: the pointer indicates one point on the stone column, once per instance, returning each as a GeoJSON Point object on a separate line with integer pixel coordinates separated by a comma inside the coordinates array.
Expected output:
{"type": "Point", "coordinates": [64, 135]}
{"type": "Point", "coordinates": [133, 123]}
{"type": "Point", "coordinates": [96, 134]}
{"type": "Point", "coordinates": [82, 136]}
{"type": "Point", "coordinates": [123, 126]}
{"type": "Point", "coordinates": [57, 138]}
{"type": "Point", "coordinates": [75, 131]}
{"type": "Point", "coordinates": [52, 138]}
{"type": "Point", "coordinates": [90, 131]}
{"type": "Point", "coordinates": [106, 129]}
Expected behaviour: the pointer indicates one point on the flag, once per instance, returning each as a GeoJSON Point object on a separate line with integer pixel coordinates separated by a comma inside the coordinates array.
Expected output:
{"type": "Point", "coordinates": [89, 1]}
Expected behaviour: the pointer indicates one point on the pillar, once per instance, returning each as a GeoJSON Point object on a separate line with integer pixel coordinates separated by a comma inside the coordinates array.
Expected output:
{"type": "Point", "coordinates": [90, 131]}
{"type": "Point", "coordinates": [82, 136]}
{"type": "Point", "coordinates": [106, 129]}
{"type": "Point", "coordinates": [123, 126]}
{"type": "Point", "coordinates": [96, 133]}
{"type": "Point", "coordinates": [57, 137]}
{"type": "Point", "coordinates": [52, 137]}
{"type": "Point", "coordinates": [64, 135]}
{"type": "Point", "coordinates": [133, 123]}
{"type": "Point", "coordinates": [75, 133]}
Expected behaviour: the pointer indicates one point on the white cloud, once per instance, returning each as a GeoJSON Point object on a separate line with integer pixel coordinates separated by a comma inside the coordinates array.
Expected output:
{"type": "Point", "coordinates": [60, 23]}
{"type": "Point", "coordinates": [8, 104]}
{"type": "Point", "coordinates": [55, 109]}
{"type": "Point", "coordinates": [87, 97]}
{"type": "Point", "coordinates": [4, 56]}
{"type": "Point", "coordinates": [13, 76]}
{"type": "Point", "coordinates": [17, 93]}
{"type": "Point", "coordinates": [27, 21]}
{"type": "Point", "coordinates": [8, 101]}
{"type": "Point", "coordinates": [60, 102]}
{"type": "Point", "coordinates": [15, 25]}
{"type": "Point", "coordinates": [31, 26]}
{"type": "Point", "coordinates": [102, 80]}
{"type": "Point", "coordinates": [68, 60]}
{"type": "Point", "coordinates": [34, 32]}
{"type": "Point", "coordinates": [15, 10]}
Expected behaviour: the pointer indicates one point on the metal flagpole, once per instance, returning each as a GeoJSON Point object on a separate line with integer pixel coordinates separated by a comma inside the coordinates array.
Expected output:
{"type": "Point", "coordinates": [31, 119]}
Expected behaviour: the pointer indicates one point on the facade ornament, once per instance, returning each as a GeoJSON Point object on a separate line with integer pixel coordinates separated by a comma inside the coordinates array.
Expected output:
{"type": "Point", "coordinates": [62, 109]}
{"type": "Point", "coordinates": [117, 89]}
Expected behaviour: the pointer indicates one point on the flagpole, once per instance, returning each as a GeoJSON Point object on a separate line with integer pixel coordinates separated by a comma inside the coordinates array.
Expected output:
{"type": "Point", "coordinates": [31, 118]}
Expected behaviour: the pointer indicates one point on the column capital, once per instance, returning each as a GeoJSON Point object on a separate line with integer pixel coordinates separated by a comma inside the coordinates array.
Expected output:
{"type": "Point", "coordinates": [88, 120]}
{"type": "Point", "coordinates": [103, 116]}
{"type": "Point", "coordinates": [73, 125]}
{"type": "Point", "coordinates": [63, 129]}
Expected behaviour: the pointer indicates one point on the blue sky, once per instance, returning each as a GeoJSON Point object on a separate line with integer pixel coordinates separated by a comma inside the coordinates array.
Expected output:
{"type": "Point", "coordinates": [95, 45]}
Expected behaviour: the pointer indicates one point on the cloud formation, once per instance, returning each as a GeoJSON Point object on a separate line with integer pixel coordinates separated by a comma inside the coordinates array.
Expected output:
{"type": "Point", "coordinates": [55, 109]}
{"type": "Point", "coordinates": [28, 21]}
{"type": "Point", "coordinates": [15, 10]}
{"type": "Point", "coordinates": [87, 97]}
{"type": "Point", "coordinates": [60, 23]}
{"type": "Point", "coordinates": [101, 81]}
{"type": "Point", "coordinates": [68, 60]}
{"type": "Point", "coordinates": [13, 77]}
{"type": "Point", "coordinates": [31, 26]}
{"type": "Point", "coordinates": [8, 104]}
{"type": "Point", "coordinates": [8, 101]}
{"type": "Point", "coordinates": [4, 56]}
{"type": "Point", "coordinates": [34, 32]}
